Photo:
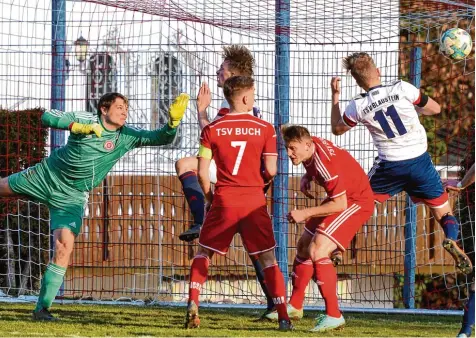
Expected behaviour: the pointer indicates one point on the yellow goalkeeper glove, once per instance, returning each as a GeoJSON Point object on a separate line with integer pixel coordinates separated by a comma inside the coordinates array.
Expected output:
{"type": "Point", "coordinates": [86, 129]}
{"type": "Point", "coordinates": [177, 109]}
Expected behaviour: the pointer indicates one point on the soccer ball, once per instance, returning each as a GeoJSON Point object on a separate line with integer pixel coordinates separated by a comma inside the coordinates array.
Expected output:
{"type": "Point", "coordinates": [456, 43]}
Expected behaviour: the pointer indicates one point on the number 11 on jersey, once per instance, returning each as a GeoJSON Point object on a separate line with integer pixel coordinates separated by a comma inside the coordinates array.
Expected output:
{"type": "Point", "coordinates": [382, 120]}
{"type": "Point", "coordinates": [242, 145]}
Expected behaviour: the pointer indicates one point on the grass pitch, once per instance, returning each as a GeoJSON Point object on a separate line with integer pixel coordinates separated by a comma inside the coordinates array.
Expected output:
{"type": "Point", "coordinates": [106, 320]}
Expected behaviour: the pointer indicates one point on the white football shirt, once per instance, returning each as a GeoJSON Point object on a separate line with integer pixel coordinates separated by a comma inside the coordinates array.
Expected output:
{"type": "Point", "coordinates": [388, 111]}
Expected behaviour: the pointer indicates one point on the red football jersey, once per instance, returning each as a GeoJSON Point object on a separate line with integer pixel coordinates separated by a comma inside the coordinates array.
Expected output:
{"type": "Point", "coordinates": [238, 143]}
{"type": "Point", "coordinates": [337, 172]}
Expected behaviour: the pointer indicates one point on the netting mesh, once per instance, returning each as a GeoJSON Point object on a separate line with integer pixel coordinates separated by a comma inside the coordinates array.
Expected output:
{"type": "Point", "coordinates": [152, 50]}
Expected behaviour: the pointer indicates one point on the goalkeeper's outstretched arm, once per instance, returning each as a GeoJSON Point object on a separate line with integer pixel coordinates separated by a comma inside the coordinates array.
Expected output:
{"type": "Point", "coordinates": [77, 122]}
{"type": "Point", "coordinates": [62, 120]}
{"type": "Point", "coordinates": [164, 135]}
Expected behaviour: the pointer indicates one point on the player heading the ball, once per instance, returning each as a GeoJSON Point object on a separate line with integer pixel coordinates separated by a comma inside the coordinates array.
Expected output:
{"type": "Point", "coordinates": [390, 112]}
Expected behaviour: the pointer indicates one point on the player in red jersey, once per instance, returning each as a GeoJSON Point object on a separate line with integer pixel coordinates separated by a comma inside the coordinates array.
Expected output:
{"type": "Point", "coordinates": [237, 61]}
{"type": "Point", "coordinates": [329, 226]}
{"type": "Point", "coordinates": [237, 142]}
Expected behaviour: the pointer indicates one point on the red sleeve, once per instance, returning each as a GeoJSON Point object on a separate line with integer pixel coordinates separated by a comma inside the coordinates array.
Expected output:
{"type": "Point", "coordinates": [270, 148]}
{"type": "Point", "coordinates": [205, 138]}
{"type": "Point", "coordinates": [327, 164]}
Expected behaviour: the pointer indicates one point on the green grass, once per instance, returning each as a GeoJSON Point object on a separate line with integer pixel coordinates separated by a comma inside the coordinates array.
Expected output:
{"type": "Point", "coordinates": [105, 320]}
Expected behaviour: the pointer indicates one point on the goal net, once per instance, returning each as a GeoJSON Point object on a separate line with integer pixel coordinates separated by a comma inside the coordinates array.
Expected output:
{"type": "Point", "coordinates": [150, 51]}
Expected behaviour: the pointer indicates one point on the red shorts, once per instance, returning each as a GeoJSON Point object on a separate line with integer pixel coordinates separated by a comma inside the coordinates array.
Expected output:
{"type": "Point", "coordinates": [342, 227]}
{"type": "Point", "coordinates": [222, 223]}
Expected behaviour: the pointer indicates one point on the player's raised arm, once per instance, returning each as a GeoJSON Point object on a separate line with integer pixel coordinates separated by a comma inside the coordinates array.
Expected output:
{"type": "Point", "coordinates": [204, 98]}
{"type": "Point", "coordinates": [204, 158]}
{"type": "Point", "coordinates": [338, 125]}
{"type": "Point", "coordinates": [164, 135]}
{"type": "Point", "coordinates": [77, 122]}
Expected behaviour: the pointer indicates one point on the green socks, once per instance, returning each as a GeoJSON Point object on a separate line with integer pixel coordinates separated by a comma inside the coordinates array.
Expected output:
{"type": "Point", "coordinates": [50, 285]}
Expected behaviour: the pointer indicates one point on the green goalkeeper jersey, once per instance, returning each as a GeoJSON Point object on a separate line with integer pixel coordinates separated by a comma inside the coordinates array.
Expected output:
{"type": "Point", "coordinates": [86, 159]}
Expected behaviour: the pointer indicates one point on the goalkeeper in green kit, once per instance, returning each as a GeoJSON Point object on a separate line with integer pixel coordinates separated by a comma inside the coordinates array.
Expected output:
{"type": "Point", "coordinates": [62, 180]}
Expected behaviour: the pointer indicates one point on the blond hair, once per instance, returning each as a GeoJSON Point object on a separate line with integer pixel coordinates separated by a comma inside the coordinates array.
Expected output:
{"type": "Point", "coordinates": [239, 59]}
{"type": "Point", "coordinates": [361, 66]}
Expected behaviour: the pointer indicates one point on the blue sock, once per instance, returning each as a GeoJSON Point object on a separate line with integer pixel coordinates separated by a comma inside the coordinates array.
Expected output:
{"type": "Point", "coordinates": [450, 226]}
{"type": "Point", "coordinates": [194, 195]}
{"type": "Point", "coordinates": [468, 316]}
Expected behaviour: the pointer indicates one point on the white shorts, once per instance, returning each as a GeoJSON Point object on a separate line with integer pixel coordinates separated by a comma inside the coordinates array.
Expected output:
{"type": "Point", "coordinates": [212, 172]}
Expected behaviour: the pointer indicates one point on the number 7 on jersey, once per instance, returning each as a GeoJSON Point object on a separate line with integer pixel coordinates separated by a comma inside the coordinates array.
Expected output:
{"type": "Point", "coordinates": [242, 145]}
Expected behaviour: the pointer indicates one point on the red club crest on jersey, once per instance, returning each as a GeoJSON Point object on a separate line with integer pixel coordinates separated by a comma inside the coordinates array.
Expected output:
{"type": "Point", "coordinates": [108, 145]}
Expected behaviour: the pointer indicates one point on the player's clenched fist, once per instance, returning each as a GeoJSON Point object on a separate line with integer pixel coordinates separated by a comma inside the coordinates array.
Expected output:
{"type": "Point", "coordinates": [297, 216]}
{"type": "Point", "coordinates": [177, 109]}
{"type": "Point", "coordinates": [335, 85]}
{"type": "Point", "coordinates": [86, 129]}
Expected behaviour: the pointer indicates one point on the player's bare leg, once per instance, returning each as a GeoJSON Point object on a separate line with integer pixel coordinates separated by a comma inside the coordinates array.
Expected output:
{"type": "Point", "coordinates": [198, 276]}
{"type": "Point", "coordinates": [450, 225]}
{"type": "Point", "coordinates": [186, 169]}
{"type": "Point", "coordinates": [320, 250]}
{"type": "Point", "coordinates": [64, 244]}
{"type": "Point", "coordinates": [53, 277]}
{"type": "Point", "coordinates": [5, 190]}
{"type": "Point", "coordinates": [277, 290]}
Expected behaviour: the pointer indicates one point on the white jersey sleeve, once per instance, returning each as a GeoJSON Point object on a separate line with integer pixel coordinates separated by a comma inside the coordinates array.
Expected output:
{"type": "Point", "coordinates": [351, 115]}
{"type": "Point", "coordinates": [410, 92]}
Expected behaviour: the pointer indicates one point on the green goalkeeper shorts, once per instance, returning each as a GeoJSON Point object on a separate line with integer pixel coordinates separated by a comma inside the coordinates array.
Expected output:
{"type": "Point", "coordinates": [66, 205]}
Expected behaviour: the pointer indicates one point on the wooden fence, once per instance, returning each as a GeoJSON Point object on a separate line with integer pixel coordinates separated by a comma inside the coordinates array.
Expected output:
{"type": "Point", "coordinates": [134, 221]}
{"type": "Point", "coordinates": [129, 246]}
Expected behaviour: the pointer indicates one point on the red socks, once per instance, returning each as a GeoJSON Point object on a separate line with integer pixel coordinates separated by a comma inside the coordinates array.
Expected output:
{"type": "Point", "coordinates": [277, 290]}
{"type": "Point", "coordinates": [326, 276]}
{"type": "Point", "coordinates": [198, 276]}
{"type": "Point", "coordinates": [302, 274]}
